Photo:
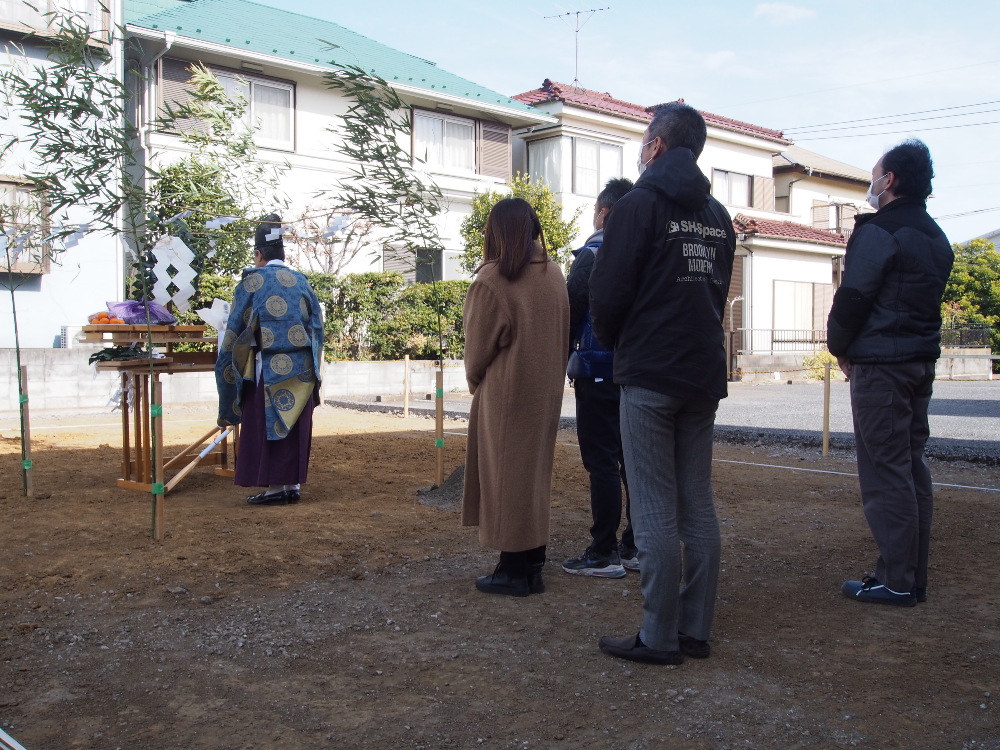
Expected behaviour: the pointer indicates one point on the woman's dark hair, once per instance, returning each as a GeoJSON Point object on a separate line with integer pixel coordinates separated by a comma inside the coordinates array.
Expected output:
{"type": "Point", "coordinates": [911, 162]}
{"type": "Point", "coordinates": [511, 231]}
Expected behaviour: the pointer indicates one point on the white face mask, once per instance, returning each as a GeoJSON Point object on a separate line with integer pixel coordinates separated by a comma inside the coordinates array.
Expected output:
{"type": "Point", "coordinates": [873, 199]}
{"type": "Point", "coordinates": [640, 164]}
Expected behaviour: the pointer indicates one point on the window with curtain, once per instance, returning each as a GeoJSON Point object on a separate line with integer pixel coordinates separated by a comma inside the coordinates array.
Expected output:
{"type": "Point", "coordinates": [732, 188]}
{"type": "Point", "coordinates": [594, 163]}
{"type": "Point", "coordinates": [270, 103]}
{"type": "Point", "coordinates": [444, 141]}
{"type": "Point", "coordinates": [24, 216]}
{"type": "Point", "coordinates": [269, 107]}
{"type": "Point", "coordinates": [545, 161]}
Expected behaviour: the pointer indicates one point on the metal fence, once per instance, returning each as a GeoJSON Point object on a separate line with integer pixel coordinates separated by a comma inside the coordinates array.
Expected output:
{"type": "Point", "coordinates": [972, 336]}
{"type": "Point", "coordinates": [777, 340]}
{"type": "Point", "coordinates": [781, 341]}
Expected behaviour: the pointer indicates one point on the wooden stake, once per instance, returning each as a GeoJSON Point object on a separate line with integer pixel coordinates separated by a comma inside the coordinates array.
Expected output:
{"type": "Point", "coordinates": [826, 409]}
{"type": "Point", "coordinates": [439, 424]}
{"type": "Point", "coordinates": [29, 485]}
{"type": "Point", "coordinates": [126, 447]}
{"type": "Point", "coordinates": [406, 386]}
{"type": "Point", "coordinates": [147, 437]}
{"type": "Point", "coordinates": [156, 419]}
{"type": "Point", "coordinates": [137, 407]}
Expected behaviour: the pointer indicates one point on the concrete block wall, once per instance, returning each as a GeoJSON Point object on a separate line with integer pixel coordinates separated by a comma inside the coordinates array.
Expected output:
{"type": "Point", "coordinates": [58, 380]}
{"type": "Point", "coordinates": [956, 363]}
{"type": "Point", "coordinates": [62, 380]}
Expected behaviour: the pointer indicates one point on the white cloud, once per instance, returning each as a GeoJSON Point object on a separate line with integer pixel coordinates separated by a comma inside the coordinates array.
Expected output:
{"type": "Point", "coordinates": [782, 14]}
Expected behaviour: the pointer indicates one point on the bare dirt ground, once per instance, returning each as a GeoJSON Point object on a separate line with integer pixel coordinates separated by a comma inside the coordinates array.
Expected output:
{"type": "Point", "coordinates": [350, 620]}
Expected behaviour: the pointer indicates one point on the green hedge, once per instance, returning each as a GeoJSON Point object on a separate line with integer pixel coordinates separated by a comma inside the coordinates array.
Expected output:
{"type": "Point", "coordinates": [378, 316]}
{"type": "Point", "coordinates": [370, 316]}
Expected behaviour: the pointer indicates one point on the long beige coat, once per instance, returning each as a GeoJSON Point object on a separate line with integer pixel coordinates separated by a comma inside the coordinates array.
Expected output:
{"type": "Point", "coordinates": [516, 339]}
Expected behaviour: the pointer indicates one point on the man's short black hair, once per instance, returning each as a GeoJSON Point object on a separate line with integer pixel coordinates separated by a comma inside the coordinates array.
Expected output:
{"type": "Point", "coordinates": [911, 162]}
{"type": "Point", "coordinates": [269, 249]}
{"type": "Point", "coordinates": [679, 125]}
{"type": "Point", "coordinates": [613, 191]}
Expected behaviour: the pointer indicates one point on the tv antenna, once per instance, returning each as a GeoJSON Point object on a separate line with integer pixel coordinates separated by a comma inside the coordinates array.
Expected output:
{"type": "Point", "coordinates": [576, 36]}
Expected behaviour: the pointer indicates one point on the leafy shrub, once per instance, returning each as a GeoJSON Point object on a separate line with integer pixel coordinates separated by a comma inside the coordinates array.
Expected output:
{"type": "Point", "coordinates": [816, 365]}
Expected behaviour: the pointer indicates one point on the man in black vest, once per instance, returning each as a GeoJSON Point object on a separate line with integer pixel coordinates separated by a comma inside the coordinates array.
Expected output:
{"type": "Point", "coordinates": [885, 330]}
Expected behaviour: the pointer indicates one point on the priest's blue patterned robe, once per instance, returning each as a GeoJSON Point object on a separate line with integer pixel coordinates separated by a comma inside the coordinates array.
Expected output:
{"type": "Point", "coordinates": [274, 313]}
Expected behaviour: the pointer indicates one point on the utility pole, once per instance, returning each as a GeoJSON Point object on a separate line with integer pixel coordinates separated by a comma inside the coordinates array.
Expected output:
{"type": "Point", "coordinates": [576, 36]}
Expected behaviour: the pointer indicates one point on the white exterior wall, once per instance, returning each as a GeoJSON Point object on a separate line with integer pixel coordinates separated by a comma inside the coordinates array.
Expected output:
{"type": "Point", "coordinates": [736, 153]}
{"type": "Point", "coordinates": [809, 189]}
{"type": "Point", "coordinates": [317, 165]}
{"type": "Point", "coordinates": [805, 263]}
{"type": "Point", "coordinates": [80, 281]}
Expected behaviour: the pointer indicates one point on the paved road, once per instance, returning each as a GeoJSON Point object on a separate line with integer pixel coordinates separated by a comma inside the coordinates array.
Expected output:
{"type": "Point", "coordinates": [965, 416]}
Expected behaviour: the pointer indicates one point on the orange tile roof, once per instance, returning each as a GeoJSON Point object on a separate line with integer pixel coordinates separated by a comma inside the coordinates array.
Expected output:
{"type": "Point", "coordinates": [551, 91]}
{"type": "Point", "coordinates": [788, 230]}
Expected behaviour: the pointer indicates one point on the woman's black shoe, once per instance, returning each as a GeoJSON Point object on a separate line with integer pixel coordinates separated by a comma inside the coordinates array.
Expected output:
{"type": "Point", "coordinates": [501, 582]}
{"type": "Point", "coordinates": [535, 583]}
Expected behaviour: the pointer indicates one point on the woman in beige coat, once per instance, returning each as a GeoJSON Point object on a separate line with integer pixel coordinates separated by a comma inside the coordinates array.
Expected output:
{"type": "Point", "coordinates": [516, 337]}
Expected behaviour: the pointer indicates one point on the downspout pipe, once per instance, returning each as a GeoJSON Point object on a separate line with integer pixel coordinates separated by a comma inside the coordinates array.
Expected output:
{"type": "Point", "coordinates": [149, 74]}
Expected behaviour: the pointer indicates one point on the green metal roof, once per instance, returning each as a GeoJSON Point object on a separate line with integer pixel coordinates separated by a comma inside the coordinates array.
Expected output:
{"type": "Point", "coordinates": [252, 27]}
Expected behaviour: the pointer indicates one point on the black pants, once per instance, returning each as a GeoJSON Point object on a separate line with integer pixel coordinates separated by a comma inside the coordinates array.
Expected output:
{"type": "Point", "coordinates": [890, 403]}
{"type": "Point", "coordinates": [519, 563]}
{"type": "Point", "coordinates": [599, 433]}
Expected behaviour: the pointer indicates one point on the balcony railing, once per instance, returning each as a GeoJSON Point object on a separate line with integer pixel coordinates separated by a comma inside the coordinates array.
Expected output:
{"type": "Point", "coordinates": [780, 341]}
{"type": "Point", "coordinates": [16, 14]}
{"type": "Point", "coordinates": [777, 340]}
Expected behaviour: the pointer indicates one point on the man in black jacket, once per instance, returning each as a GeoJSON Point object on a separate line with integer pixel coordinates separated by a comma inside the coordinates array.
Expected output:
{"type": "Point", "coordinates": [657, 295]}
{"type": "Point", "coordinates": [597, 405]}
{"type": "Point", "coordinates": [885, 330]}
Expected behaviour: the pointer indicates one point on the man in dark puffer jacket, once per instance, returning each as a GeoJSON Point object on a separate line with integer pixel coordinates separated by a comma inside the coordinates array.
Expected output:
{"type": "Point", "coordinates": [885, 330]}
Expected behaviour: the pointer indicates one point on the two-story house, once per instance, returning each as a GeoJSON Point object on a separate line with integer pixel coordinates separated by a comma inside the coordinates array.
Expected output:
{"type": "Point", "coordinates": [462, 131]}
{"type": "Point", "coordinates": [781, 199]}
{"type": "Point", "coordinates": [53, 286]}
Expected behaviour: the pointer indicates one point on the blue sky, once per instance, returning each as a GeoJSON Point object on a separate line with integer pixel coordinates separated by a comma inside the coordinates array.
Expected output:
{"type": "Point", "coordinates": [783, 65]}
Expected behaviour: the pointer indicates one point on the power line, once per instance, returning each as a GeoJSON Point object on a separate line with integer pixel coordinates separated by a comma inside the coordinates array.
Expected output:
{"type": "Point", "coordinates": [855, 85]}
{"type": "Point", "coordinates": [967, 213]}
{"type": "Point", "coordinates": [819, 129]}
{"type": "Point", "coordinates": [895, 132]}
{"type": "Point", "coordinates": [887, 117]}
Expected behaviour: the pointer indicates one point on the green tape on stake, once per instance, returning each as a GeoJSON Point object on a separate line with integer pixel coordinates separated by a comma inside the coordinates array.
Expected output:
{"type": "Point", "coordinates": [439, 442]}
{"type": "Point", "coordinates": [158, 488]}
{"type": "Point", "coordinates": [26, 463]}
{"type": "Point", "coordinates": [23, 399]}
{"type": "Point", "coordinates": [440, 392]}
{"type": "Point", "coordinates": [156, 410]}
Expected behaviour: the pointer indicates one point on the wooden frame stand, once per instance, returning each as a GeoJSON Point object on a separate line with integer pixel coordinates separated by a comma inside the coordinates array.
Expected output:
{"type": "Point", "coordinates": [138, 449]}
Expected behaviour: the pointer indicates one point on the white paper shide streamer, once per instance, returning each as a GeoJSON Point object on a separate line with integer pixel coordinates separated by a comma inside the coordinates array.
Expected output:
{"type": "Point", "coordinates": [171, 251]}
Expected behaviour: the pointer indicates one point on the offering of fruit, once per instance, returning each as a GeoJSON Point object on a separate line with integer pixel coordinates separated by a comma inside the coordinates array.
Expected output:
{"type": "Point", "coordinates": [104, 318]}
